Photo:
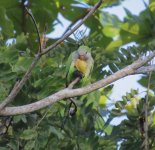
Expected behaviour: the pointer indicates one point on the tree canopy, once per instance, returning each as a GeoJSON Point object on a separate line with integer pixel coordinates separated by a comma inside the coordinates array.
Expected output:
{"type": "Point", "coordinates": [24, 42]}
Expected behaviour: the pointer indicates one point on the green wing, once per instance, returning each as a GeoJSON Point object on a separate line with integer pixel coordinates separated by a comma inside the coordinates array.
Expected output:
{"type": "Point", "coordinates": [69, 68]}
{"type": "Point", "coordinates": [87, 77]}
{"type": "Point", "coordinates": [90, 66]}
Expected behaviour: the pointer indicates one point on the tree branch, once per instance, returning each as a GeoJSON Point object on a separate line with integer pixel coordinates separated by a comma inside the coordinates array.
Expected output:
{"type": "Point", "coordinates": [92, 10]}
{"type": "Point", "coordinates": [34, 21]}
{"type": "Point", "coordinates": [19, 86]}
{"type": "Point", "coordinates": [67, 93]}
{"type": "Point", "coordinates": [74, 22]}
{"type": "Point", "coordinates": [71, 85]}
{"type": "Point", "coordinates": [145, 70]}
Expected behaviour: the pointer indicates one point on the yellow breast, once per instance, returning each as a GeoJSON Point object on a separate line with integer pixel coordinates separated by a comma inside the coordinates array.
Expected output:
{"type": "Point", "coordinates": [81, 65]}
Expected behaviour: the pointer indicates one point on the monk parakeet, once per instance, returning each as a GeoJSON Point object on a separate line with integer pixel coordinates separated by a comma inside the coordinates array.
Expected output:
{"type": "Point", "coordinates": [80, 64]}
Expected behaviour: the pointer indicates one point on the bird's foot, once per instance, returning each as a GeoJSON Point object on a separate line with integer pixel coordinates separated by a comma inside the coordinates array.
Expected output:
{"type": "Point", "coordinates": [78, 74]}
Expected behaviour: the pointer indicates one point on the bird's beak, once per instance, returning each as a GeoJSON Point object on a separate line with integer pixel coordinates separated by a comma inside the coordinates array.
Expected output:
{"type": "Point", "coordinates": [82, 57]}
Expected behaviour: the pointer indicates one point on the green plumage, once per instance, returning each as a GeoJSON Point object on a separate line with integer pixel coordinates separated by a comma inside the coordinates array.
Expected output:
{"type": "Point", "coordinates": [83, 56]}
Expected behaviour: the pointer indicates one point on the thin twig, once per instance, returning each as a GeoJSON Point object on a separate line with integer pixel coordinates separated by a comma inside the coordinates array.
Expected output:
{"type": "Point", "coordinates": [71, 85]}
{"type": "Point", "coordinates": [146, 105]}
{"type": "Point", "coordinates": [41, 119]}
{"type": "Point", "coordinates": [92, 10]}
{"type": "Point", "coordinates": [72, 102]}
{"type": "Point", "coordinates": [146, 144]}
{"type": "Point", "coordinates": [73, 23]}
{"type": "Point", "coordinates": [70, 111]}
{"type": "Point", "coordinates": [13, 93]}
{"type": "Point", "coordinates": [35, 23]}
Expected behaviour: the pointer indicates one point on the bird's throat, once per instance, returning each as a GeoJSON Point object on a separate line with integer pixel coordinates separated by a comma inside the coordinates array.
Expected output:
{"type": "Point", "coordinates": [82, 57]}
{"type": "Point", "coordinates": [81, 65]}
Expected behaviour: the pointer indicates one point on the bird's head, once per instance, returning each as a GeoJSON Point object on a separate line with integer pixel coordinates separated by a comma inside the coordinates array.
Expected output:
{"type": "Point", "coordinates": [83, 52]}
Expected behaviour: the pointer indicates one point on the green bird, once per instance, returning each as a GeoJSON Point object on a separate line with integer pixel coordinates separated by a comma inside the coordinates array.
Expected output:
{"type": "Point", "coordinates": [80, 64]}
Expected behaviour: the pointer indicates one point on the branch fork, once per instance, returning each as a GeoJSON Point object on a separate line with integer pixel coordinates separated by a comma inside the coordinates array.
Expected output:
{"type": "Point", "coordinates": [41, 52]}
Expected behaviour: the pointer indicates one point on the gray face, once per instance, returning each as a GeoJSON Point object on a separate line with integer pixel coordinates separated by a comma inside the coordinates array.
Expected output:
{"type": "Point", "coordinates": [82, 52]}
{"type": "Point", "coordinates": [88, 55]}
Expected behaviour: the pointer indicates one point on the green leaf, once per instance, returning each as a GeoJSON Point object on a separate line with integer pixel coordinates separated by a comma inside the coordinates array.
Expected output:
{"type": "Point", "coordinates": [111, 31]}
{"type": "Point", "coordinates": [19, 118]}
{"type": "Point", "coordinates": [108, 129]}
{"type": "Point", "coordinates": [28, 134]}
{"type": "Point", "coordinates": [22, 64]}
{"type": "Point", "coordinates": [152, 6]}
{"type": "Point", "coordinates": [13, 145]}
{"type": "Point", "coordinates": [8, 55]}
{"type": "Point", "coordinates": [5, 23]}
{"type": "Point", "coordinates": [56, 132]}
{"type": "Point", "coordinates": [29, 145]}
{"type": "Point", "coordinates": [132, 28]}
{"type": "Point", "coordinates": [21, 40]}
{"type": "Point", "coordinates": [113, 45]}
{"type": "Point", "coordinates": [107, 19]}
{"type": "Point", "coordinates": [3, 148]}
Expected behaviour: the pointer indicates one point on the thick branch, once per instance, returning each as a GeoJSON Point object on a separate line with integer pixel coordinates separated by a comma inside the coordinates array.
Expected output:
{"type": "Point", "coordinates": [145, 70]}
{"type": "Point", "coordinates": [66, 93]}
{"type": "Point", "coordinates": [19, 86]}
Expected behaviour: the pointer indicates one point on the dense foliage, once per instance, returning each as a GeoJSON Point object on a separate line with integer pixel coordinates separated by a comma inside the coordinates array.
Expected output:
{"type": "Point", "coordinates": [90, 128]}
